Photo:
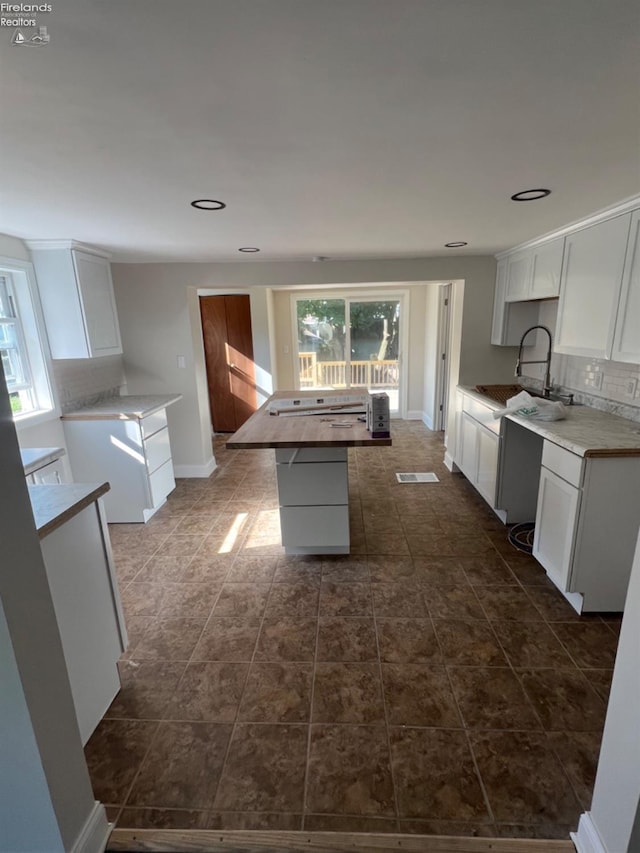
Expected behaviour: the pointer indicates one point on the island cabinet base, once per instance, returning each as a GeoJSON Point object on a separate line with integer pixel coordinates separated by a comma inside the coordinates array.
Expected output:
{"type": "Point", "coordinates": [313, 493]}
{"type": "Point", "coordinates": [79, 566]}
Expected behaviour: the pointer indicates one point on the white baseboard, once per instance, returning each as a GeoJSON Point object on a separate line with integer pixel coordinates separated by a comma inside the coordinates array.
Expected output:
{"type": "Point", "coordinates": [95, 833]}
{"type": "Point", "coordinates": [587, 839]}
{"type": "Point", "coordinates": [427, 420]}
{"type": "Point", "coordinates": [413, 415]}
{"type": "Point", "coordinates": [188, 471]}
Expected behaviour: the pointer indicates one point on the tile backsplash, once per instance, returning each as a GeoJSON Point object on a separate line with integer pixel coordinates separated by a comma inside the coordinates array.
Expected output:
{"type": "Point", "coordinates": [610, 386]}
{"type": "Point", "coordinates": [83, 381]}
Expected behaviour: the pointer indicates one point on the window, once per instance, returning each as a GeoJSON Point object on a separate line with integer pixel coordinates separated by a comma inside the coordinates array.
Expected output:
{"type": "Point", "coordinates": [21, 348]}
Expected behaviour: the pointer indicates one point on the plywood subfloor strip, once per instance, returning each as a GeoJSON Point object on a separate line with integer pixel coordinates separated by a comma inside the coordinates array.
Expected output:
{"type": "Point", "coordinates": [240, 841]}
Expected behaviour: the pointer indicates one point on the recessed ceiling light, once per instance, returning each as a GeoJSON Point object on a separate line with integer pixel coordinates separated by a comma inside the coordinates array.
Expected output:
{"type": "Point", "coordinates": [208, 204]}
{"type": "Point", "coordinates": [456, 245]}
{"type": "Point", "coordinates": [530, 195]}
{"type": "Point", "coordinates": [249, 249]}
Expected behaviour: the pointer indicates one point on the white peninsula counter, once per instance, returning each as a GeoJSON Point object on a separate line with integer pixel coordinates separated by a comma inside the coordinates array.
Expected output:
{"type": "Point", "coordinates": [125, 440]}
{"type": "Point", "coordinates": [77, 555]}
{"type": "Point", "coordinates": [311, 468]}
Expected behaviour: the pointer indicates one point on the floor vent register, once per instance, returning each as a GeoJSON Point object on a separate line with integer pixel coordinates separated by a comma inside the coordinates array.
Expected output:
{"type": "Point", "coordinates": [412, 477]}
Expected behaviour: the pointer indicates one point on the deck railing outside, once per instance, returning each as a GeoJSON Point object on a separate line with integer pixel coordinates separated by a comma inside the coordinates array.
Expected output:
{"type": "Point", "coordinates": [372, 373]}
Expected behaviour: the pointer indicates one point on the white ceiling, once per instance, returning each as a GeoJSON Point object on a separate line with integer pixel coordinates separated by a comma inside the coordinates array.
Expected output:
{"type": "Point", "coordinates": [341, 128]}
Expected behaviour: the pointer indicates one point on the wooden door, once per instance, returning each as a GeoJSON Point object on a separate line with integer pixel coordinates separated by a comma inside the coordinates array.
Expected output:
{"type": "Point", "coordinates": [228, 347]}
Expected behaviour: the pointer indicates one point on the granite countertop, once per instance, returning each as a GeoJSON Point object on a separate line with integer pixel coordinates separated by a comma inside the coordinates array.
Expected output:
{"type": "Point", "coordinates": [34, 458]}
{"type": "Point", "coordinates": [585, 431]}
{"type": "Point", "coordinates": [53, 505]}
{"type": "Point", "coordinates": [125, 408]}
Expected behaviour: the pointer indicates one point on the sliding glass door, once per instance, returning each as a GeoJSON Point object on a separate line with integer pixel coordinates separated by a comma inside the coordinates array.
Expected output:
{"type": "Point", "coordinates": [349, 343]}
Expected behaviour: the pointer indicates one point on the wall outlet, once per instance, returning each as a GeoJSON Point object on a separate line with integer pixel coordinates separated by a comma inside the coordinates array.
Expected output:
{"type": "Point", "coordinates": [631, 388]}
{"type": "Point", "coordinates": [181, 362]}
{"type": "Point", "coordinates": [597, 379]}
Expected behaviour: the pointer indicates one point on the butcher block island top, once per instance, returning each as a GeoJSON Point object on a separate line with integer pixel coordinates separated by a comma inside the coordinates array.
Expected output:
{"type": "Point", "coordinates": [311, 429]}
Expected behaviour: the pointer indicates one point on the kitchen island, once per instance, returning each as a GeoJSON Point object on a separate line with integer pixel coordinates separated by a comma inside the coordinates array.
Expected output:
{"type": "Point", "coordinates": [311, 468]}
{"type": "Point", "coordinates": [77, 556]}
{"type": "Point", "coordinates": [577, 479]}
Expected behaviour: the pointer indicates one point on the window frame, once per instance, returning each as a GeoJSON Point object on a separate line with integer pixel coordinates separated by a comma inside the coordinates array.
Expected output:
{"type": "Point", "coordinates": [33, 338]}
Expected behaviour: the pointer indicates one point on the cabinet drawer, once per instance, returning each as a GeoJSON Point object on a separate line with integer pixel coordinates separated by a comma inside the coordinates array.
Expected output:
{"type": "Point", "coordinates": [481, 413]}
{"type": "Point", "coordinates": [312, 483]}
{"type": "Point", "coordinates": [562, 462]}
{"type": "Point", "coordinates": [161, 483]}
{"type": "Point", "coordinates": [311, 454]}
{"type": "Point", "coordinates": [157, 449]}
{"type": "Point", "coordinates": [314, 526]}
{"type": "Point", "coordinates": [153, 423]}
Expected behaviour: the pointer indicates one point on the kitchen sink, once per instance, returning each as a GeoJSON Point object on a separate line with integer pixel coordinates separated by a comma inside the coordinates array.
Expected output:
{"type": "Point", "coordinates": [499, 393]}
{"type": "Point", "coordinates": [502, 393]}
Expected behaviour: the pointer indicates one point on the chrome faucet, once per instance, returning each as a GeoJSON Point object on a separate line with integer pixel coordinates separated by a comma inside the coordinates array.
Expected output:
{"type": "Point", "coordinates": [547, 376]}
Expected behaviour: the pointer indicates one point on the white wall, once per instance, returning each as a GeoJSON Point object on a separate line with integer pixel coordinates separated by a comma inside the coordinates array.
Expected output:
{"type": "Point", "coordinates": [616, 792]}
{"type": "Point", "coordinates": [36, 705]}
{"type": "Point", "coordinates": [157, 308]}
{"type": "Point", "coordinates": [27, 818]}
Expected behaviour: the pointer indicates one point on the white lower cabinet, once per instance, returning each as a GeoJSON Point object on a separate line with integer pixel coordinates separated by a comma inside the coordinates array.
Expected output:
{"type": "Point", "coordinates": [133, 455]}
{"type": "Point", "coordinates": [84, 590]}
{"type": "Point", "coordinates": [313, 494]}
{"type": "Point", "coordinates": [468, 448]}
{"type": "Point", "coordinates": [587, 521]}
{"type": "Point", "coordinates": [487, 472]}
{"type": "Point", "coordinates": [556, 523]}
{"type": "Point", "coordinates": [478, 447]}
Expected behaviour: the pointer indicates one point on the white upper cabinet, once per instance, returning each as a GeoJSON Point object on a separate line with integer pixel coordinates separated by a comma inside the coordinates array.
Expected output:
{"type": "Point", "coordinates": [546, 266]}
{"type": "Point", "coordinates": [590, 286]}
{"type": "Point", "coordinates": [626, 339]}
{"type": "Point", "coordinates": [534, 273]}
{"type": "Point", "coordinates": [518, 276]}
{"type": "Point", "coordinates": [510, 319]}
{"type": "Point", "coordinates": [77, 299]}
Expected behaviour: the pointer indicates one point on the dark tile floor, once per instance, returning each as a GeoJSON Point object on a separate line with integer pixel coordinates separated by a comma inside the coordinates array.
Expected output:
{"type": "Point", "coordinates": [433, 681]}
